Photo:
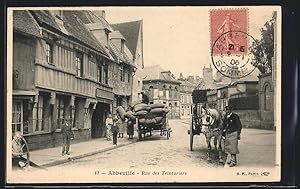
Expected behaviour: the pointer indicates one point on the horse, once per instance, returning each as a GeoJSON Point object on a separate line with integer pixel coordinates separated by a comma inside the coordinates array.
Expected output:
{"type": "Point", "coordinates": [210, 120]}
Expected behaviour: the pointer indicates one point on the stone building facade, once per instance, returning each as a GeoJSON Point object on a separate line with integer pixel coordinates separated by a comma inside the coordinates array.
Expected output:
{"type": "Point", "coordinates": [162, 87]}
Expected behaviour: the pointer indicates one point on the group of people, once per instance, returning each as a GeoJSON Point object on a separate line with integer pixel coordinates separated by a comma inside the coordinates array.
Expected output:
{"type": "Point", "coordinates": [116, 127]}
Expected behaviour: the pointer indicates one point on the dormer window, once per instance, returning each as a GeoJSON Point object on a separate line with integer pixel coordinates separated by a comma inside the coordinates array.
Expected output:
{"type": "Point", "coordinates": [107, 39]}
{"type": "Point", "coordinates": [122, 45]}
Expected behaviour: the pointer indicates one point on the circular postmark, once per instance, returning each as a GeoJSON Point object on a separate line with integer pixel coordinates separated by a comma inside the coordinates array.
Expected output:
{"type": "Point", "coordinates": [231, 54]}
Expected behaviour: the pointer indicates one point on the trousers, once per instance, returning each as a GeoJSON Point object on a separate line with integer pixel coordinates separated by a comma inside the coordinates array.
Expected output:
{"type": "Point", "coordinates": [66, 145]}
{"type": "Point", "coordinates": [115, 134]}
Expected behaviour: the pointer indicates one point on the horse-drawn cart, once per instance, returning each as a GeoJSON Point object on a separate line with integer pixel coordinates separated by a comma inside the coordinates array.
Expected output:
{"type": "Point", "coordinates": [206, 121]}
{"type": "Point", "coordinates": [195, 126]}
{"type": "Point", "coordinates": [152, 118]}
{"type": "Point", "coordinates": [159, 125]}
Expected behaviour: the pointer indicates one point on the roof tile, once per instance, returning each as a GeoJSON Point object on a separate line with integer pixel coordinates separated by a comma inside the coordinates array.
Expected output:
{"type": "Point", "coordinates": [24, 22]}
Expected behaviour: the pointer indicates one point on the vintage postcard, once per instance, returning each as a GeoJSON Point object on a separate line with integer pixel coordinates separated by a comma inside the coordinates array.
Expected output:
{"type": "Point", "coordinates": [144, 94]}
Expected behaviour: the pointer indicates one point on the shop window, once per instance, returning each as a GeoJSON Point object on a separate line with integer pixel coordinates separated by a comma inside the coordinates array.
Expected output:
{"type": "Point", "coordinates": [17, 117]}
{"type": "Point", "coordinates": [79, 64]}
{"type": "Point", "coordinates": [49, 53]}
{"type": "Point", "coordinates": [38, 123]}
{"type": "Point", "coordinates": [60, 111]}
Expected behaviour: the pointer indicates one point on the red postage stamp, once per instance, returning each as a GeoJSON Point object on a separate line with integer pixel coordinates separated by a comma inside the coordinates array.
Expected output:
{"type": "Point", "coordinates": [223, 24]}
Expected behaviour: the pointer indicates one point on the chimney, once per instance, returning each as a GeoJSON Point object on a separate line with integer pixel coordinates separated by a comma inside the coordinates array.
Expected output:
{"type": "Point", "coordinates": [100, 13]}
{"type": "Point", "coordinates": [103, 14]}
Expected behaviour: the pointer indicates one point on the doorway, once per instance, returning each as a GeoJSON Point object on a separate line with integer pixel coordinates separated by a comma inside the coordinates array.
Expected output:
{"type": "Point", "coordinates": [98, 120]}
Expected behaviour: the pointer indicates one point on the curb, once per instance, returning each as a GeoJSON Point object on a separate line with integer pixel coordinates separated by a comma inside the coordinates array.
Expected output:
{"type": "Point", "coordinates": [69, 159]}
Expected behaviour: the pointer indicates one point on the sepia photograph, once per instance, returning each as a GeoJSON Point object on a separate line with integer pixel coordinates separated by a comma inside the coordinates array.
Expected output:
{"type": "Point", "coordinates": [172, 94]}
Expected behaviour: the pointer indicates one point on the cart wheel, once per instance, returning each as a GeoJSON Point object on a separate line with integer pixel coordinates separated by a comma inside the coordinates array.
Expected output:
{"type": "Point", "coordinates": [23, 150]}
{"type": "Point", "coordinates": [140, 134]}
{"type": "Point", "coordinates": [191, 135]}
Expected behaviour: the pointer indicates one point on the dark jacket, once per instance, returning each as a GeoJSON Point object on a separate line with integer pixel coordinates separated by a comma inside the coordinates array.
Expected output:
{"type": "Point", "coordinates": [66, 130]}
{"type": "Point", "coordinates": [115, 127]}
{"type": "Point", "coordinates": [232, 124]}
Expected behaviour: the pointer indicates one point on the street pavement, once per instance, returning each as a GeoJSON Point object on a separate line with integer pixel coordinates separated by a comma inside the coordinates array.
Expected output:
{"type": "Point", "coordinates": [257, 148]}
{"type": "Point", "coordinates": [153, 152]}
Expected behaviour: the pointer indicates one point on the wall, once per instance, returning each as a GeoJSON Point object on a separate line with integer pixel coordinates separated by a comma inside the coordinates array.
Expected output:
{"type": "Point", "coordinates": [23, 62]}
{"type": "Point", "coordinates": [119, 87]}
{"type": "Point", "coordinates": [48, 140]}
{"type": "Point", "coordinates": [249, 118]}
{"type": "Point", "coordinates": [266, 113]}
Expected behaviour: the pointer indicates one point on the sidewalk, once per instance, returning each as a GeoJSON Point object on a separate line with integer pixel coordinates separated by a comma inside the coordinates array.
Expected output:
{"type": "Point", "coordinates": [257, 148]}
{"type": "Point", "coordinates": [52, 156]}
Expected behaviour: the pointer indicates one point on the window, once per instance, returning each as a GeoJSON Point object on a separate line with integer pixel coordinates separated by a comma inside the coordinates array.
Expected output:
{"type": "Point", "coordinates": [79, 64]}
{"type": "Point", "coordinates": [122, 46]}
{"type": "Point", "coordinates": [128, 77]}
{"type": "Point", "coordinates": [122, 73]}
{"type": "Point", "coordinates": [49, 53]}
{"type": "Point", "coordinates": [107, 39]}
{"type": "Point", "coordinates": [119, 101]}
{"type": "Point", "coordinates": [17, 117]}
{"type": "Point", "coordinates": [60, 111]}
{"type": "Point", "coordinates": [105, 74]}
{"type": "Point", "coordinates": [38, 124]}
{"type": "Point", "coordinates": [99, 72]}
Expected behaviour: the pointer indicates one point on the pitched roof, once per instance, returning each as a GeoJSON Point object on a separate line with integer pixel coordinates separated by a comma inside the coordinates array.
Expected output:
{"type": "Point", "coordinates": [117, 54]}
{"type": "Point", "coordinates": [130, 31]}
{"type": "Point", "coordinates": [74, 26]}
{"type": "Point", "coordinates": [155, 72]}
{"type": "Point", "coordinates": [205, 86]}
{"type": "Point", "coordinates": [24, 22]}
{"type": "Point", "coordinates": [90, 17]}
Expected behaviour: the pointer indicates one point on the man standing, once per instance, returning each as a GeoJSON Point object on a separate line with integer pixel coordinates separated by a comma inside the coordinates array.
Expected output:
{"type": "Point", "coordinates": [67, 135]}
{"type": "Point", "coordinates": [232, 126]}
{"type": "Point", "coordinates": [108, 123]}
{"type": "Point", "coordinates": [115, 128]}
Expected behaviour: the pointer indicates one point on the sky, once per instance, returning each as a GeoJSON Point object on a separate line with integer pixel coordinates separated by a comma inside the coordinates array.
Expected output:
{"type": "Point", "coordinates": [178, 38]}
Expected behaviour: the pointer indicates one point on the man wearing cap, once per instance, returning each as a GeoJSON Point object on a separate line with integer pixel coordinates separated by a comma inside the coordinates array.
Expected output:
{"type": "Point", "coordinates": [232, 126]}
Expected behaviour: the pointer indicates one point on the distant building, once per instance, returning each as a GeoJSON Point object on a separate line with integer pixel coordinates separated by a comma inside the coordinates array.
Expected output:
{"type": "Point", "coordinates": [162, 87]}
{"type": "Point", "coordinates": [186, 88]}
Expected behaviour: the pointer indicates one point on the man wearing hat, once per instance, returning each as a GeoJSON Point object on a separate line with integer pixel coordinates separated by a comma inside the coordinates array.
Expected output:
{"type": "Point", "coordinates": [232, 126]}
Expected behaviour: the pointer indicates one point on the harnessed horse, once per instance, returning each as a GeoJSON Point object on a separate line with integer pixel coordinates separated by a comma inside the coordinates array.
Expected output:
{"type": "Point", "coordinates": [210, 122]}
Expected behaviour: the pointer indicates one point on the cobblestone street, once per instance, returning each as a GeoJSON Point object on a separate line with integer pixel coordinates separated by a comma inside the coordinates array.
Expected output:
{"type": "Point", "coordinates": [153, 152]}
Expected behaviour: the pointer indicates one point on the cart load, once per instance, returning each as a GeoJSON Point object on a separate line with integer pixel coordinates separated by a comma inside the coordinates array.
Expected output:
{"type": "Point", "coordinates": [151, 117]}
